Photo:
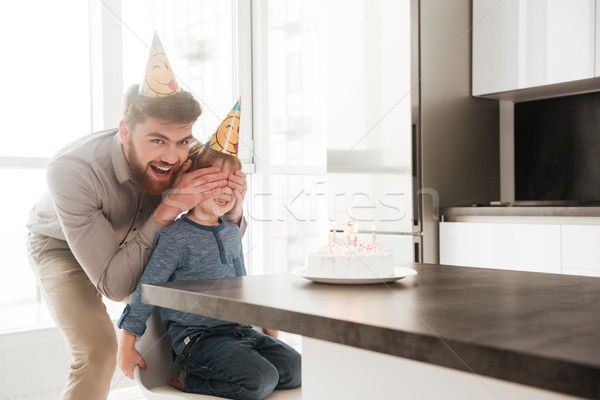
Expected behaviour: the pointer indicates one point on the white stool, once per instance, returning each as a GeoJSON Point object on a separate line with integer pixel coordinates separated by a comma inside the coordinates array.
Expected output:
{"type": "Point", "coordinates": [155, 348]}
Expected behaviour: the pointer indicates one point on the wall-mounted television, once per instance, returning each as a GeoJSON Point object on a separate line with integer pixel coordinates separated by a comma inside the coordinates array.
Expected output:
{"type": "Point", "coordinates": [557, 151]}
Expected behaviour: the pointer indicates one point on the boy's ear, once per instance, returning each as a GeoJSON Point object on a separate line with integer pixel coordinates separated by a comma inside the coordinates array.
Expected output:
{"type": "Point", "coordinates": [123, 133]}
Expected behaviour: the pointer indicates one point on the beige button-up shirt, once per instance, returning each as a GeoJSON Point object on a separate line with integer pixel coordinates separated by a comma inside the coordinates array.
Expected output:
{"type": "Point", "coordinates": [94, 203]}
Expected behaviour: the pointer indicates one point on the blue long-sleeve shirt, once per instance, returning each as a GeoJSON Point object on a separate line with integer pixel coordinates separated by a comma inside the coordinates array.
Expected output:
{"type": "Point", "coordinates": [186, 251]}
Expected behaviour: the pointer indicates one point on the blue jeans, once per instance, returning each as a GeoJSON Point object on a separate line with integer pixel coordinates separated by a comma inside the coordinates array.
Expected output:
{"type": "Point", "coordinates": [239, 363]}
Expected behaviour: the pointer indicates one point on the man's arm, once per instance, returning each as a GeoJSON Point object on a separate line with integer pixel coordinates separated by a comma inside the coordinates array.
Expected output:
{"type": "Point", "coordinates": [114, 268]}
{"type": "Point", "coordinates": [189, 189]}
{"type": "Point", "coordinates": [237, 182]}
{"type": "Point", "coordinates": [91, 236]}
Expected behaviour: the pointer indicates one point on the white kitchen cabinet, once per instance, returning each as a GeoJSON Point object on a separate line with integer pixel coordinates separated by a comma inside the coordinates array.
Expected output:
{"type": "Point", "coordinates": [526, 43]}
{"type": "Point", "coordinates": [581, 250]}
{"type": "Point", "coordinates": [523, 247]}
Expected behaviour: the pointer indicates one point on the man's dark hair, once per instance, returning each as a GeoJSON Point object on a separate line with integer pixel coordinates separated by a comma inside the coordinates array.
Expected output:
{"type": "Point", "coordinates": [180, 107]}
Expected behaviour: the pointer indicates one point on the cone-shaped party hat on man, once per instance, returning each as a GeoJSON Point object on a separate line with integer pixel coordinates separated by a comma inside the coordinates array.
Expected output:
{"type": "Point", "coordinates": [159, 79]}
{"type": "Point", "coordinates": [227, 136]}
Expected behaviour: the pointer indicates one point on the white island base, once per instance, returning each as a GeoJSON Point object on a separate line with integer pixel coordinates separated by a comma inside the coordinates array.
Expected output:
{"type": "Point", "coordinates": [334, 371]}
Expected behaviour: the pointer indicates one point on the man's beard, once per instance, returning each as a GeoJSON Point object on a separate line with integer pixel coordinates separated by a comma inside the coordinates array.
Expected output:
{"type": "Point", "coordinates": [145, 180]}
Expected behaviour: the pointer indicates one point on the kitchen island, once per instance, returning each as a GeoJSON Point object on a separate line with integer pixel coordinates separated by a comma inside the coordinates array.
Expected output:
{"type": "Point", "coordinates": [455, 332]}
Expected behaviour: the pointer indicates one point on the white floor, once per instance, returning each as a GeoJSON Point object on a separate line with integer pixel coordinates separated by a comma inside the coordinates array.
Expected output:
{"type": "Point", "coordinates": [132, 393]}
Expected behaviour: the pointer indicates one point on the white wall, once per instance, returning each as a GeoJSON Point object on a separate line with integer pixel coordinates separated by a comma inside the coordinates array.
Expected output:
{"type": "Point", "coordinates": [34, 364]}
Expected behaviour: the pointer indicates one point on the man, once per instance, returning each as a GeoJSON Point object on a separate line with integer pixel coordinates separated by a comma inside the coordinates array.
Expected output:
{"type": "Point", "coordinates": [108, 195]}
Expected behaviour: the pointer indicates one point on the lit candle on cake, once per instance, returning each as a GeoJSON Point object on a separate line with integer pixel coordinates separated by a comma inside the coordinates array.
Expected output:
{"type": "Point", "coordinates": [333, 232]}
{"type": "Point", "coordinates": [373, 233]}
{"type": "Point", "coordinates": [349, 231]}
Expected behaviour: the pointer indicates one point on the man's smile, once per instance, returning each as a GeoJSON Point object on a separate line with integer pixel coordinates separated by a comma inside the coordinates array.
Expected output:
{"type": "Point", "coordinates": [161, 172]}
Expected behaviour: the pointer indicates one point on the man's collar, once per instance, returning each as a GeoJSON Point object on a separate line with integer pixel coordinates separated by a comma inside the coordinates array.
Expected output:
{"type": "Point", "coordinates": [120, 163]}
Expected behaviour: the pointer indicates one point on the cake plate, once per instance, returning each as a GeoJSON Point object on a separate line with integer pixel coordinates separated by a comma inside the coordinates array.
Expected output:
{"type": "Point", "coordinates": [399, 273]}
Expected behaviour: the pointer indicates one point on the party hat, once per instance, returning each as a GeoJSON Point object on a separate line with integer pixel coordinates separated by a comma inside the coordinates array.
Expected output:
{"type": "Point", "coordinates": [159, 79]}
{"type": "Point", "coordinates": [227, 136]}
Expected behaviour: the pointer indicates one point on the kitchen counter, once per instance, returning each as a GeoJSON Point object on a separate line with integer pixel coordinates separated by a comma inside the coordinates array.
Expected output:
{"type": "Point", "coordinates": [540, 330]}
{"type": "Point", "coordinates": [521, 211]}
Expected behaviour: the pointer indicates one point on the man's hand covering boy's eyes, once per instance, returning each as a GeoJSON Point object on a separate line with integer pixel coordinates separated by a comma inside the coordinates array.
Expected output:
{"type": "Point", "coordinates": [189, 189]}
{"type": "Point", "coordinates": [237, 182]}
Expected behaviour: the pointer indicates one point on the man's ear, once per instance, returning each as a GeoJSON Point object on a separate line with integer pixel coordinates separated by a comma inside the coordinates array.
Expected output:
{"type": "Point", "coordinates": [123, 133]}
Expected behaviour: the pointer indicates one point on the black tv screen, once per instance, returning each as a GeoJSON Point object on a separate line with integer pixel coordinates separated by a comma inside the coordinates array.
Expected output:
{"type": "Point", "coordinates": [557, 150]}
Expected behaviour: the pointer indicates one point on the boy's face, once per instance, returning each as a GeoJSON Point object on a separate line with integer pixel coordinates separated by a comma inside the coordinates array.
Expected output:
{"type": "Point", "coordinates": [222, 202]}
{"type": "Point", "coordinates": [156, 150]}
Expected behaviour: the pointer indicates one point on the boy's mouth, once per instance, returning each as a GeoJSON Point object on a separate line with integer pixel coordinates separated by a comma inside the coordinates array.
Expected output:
{"type": "Point", "coordinates": [221, 202]}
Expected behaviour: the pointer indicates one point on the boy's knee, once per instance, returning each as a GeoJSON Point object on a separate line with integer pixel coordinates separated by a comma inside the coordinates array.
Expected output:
{"type": "Point", "coordinates": [292, 381]}
{"type": "Point", "coordinates": [291, 377]}
{"type": "Point", "coordinates": [260, 384]}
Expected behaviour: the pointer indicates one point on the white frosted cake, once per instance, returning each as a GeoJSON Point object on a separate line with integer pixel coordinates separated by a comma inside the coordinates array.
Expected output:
{"type": "Point", "coordinates": [358, 261]}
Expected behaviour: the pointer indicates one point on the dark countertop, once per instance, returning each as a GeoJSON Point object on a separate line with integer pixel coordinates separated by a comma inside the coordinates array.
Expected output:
{"type": "Point", "coordinates": [541, 330]}
{"type": "Point", "coordinates": [521, 211]}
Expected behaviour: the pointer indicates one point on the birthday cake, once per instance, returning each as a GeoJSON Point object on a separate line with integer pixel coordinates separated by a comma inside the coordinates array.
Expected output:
{"type": "Point", "coordinates": [351, 260]}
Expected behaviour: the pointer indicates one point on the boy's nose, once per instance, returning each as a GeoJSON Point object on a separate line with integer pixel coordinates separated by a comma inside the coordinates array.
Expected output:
{"type": "Point", "coordinates": [226, 190]}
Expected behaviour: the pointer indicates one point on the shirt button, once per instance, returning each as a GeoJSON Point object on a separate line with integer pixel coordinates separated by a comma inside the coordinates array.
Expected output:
{"type": "Point", "coordinates": [125, 243]}
{"type": "Point", "coordinates": [141, 209]}
{"type": "Point", "coordinates": [134, 229]}
{"type": "Point", "coordinates": [219, 238]}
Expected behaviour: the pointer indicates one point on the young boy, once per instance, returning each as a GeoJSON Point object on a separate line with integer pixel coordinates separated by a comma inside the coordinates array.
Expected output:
{"type": "Point", "coordinates": [217, 357]}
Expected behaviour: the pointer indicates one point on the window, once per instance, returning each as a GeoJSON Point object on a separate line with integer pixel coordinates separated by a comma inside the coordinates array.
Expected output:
{"type": "Point", "coordinates": [200, 41]}
{"type": "Point", "coordinates": [203, 40]}
{"type": "Point", "coordinates": [325, 112]}
{"type": "Point", "coordinates": [66, 80]}
{"type": "Point", "coordinates": [333, 130]}
{"type": "Point", "coordinates": [46, 77]}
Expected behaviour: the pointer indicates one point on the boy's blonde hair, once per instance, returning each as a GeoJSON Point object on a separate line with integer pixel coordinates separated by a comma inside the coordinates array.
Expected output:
{"type": "Point", "coordinates": [204, 157]}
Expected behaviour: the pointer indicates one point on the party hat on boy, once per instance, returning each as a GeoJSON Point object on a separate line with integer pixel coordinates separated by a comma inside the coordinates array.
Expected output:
{"type": "Point", "coordinates": [227, 136]}
{"type": "Point", "coordinates": [159, 79]}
